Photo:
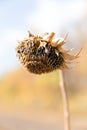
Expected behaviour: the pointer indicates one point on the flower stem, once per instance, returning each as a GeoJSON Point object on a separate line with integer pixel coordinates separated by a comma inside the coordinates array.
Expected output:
{"type": "Point", "coordinates": [65, 102]}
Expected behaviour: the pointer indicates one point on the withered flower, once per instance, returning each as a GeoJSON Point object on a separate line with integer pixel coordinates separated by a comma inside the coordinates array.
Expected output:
{"type": "Point", "coordinates": [42, 54]}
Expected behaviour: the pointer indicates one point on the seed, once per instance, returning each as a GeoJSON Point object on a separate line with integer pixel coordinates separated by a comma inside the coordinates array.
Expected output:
{"type": "Point", "coordinates": [40, 50]}
{"type": "Point", "coordinates": [32, 51]}
{"type": "Point", "coordinates": [21, 49]}
{"type": "Point", "coordinates": [18, 51]}
{"type": "Point", "coordinates": [28, 44]}
{"type": "Point", "coordinates": [25, 51]}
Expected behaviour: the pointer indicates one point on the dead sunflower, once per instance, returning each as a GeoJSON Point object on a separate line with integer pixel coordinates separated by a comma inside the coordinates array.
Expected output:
{"type": "Point", "coordinates": [42, 54]}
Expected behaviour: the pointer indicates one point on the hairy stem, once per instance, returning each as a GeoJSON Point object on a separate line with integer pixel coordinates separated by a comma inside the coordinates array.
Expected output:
{"type": "Point", "coordinates": [65, 102]}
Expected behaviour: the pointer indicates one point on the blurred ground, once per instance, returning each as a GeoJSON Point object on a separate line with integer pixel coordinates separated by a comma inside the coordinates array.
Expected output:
{"type": "Point", "coordinates": [38, 121]}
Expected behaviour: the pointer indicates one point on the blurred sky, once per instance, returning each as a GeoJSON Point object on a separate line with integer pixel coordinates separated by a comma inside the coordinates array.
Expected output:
{"type": "Point", "coordinates": [38, 16]}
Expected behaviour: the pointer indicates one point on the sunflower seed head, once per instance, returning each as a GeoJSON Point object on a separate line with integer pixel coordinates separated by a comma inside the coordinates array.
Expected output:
{"type": "Point", "coordinates": [42, 54]}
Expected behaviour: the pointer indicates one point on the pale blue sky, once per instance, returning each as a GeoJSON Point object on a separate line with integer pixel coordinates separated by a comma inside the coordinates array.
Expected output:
{"type": "Point", "coordinates": [38, 16]}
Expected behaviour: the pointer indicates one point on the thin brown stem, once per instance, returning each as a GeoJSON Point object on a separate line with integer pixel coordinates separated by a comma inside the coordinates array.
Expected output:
{"type": "Point", "coordinates": [65, 102]}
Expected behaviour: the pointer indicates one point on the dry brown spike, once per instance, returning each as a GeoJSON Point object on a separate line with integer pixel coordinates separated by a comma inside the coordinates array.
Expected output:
{"type": "Point", "coordinates": [42, 54]}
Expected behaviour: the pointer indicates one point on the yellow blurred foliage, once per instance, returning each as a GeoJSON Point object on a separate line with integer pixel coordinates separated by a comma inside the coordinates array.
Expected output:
{"type": "Point", "coordinates": [21, 89]}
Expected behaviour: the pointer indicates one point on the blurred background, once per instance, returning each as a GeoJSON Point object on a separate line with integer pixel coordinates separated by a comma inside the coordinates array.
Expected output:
{"type": "Point", "coordinates": [34, 102]}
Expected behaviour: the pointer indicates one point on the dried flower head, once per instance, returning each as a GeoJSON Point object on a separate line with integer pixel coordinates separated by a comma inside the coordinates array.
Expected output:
{"type": "Point", "coordinates": [42, 54]}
